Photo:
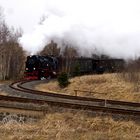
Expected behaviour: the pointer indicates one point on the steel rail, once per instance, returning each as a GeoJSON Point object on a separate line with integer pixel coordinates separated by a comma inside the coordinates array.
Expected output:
{"type": "Point", "coordinates": [113, 102]}
{"type": "Point", "coordinates": [69, 101]}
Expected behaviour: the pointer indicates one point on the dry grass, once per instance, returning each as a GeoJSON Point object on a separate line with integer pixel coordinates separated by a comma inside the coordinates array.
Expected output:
{"type": "Point", "coordinates": [109, 86]}
{"type": "Point", "coordinates": [6, 81]}
{"type": "Point", "coordinates": [19, 111]}
{"type": "Point", "coordinates": [78, 125]}
{"type": "Point", "coordinates": [3, 93]}
{"type": "Point", "coordinates": [71, 126]}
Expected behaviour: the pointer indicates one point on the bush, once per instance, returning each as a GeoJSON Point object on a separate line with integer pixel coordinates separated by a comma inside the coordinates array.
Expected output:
{"type": "Point", "coordinates": [63, 80]}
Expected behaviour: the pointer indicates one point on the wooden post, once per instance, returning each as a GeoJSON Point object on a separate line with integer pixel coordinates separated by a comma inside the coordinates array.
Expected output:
{"type": "Point", "coordinates": [75, 92]}
{"type": "Point", "coordinates": [90, 92]}
{"type": "Point", "coordinates": [105, 103]}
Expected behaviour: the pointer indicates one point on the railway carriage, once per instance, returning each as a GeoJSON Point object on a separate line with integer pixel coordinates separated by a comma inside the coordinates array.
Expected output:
{"type": "Point", "coordinates": [99, 66]}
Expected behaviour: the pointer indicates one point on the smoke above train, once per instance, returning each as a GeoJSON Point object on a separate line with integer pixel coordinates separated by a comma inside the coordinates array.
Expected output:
{"type": "Point", "coordinates": [111, 27]}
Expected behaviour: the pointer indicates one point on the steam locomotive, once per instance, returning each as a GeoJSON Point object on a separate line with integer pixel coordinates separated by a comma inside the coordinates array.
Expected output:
{"type": "Point", "coordinates": [40, 67]}
{"type": "Point", "coordinates": [44, 67]}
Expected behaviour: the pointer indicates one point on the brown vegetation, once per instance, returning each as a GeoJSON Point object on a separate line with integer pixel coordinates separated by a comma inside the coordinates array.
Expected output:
{"type": "Point", "coordinates": [80, 125]}
{"type": "Point", "coordinates": [19, 111]}
{"type": "Point", "coordinates": [3, 93]}
{"type": "Point", "coordinates": [109, 86]}
{"type": "Point", "coordinates": [131, 73]}
{"type": "Point", "coordinates": [71, 126]}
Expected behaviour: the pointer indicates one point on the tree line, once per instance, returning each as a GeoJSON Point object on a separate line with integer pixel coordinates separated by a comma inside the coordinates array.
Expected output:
{"type": "Point", "coordinates": [12, 56]}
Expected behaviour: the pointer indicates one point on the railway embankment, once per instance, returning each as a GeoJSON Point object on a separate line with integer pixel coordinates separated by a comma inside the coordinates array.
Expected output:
{"type": "Point", "coordinates": [106, 86]}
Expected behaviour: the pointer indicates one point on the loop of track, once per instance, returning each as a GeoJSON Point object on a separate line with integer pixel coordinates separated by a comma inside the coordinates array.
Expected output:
{"type": "Point", "coordinates": [77, 102]}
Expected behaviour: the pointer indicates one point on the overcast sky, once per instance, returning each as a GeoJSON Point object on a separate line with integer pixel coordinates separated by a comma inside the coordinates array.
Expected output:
{"type": "Point", "coordinates": [23, 13]}
{"type": "Point", "coordinates": [110, 26]}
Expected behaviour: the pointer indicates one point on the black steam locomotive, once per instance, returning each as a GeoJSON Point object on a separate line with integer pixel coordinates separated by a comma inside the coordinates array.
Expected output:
{"type": "Point", "coordinates": [40, 67]}
{"type": "Point", "coordinates": [43, 67]}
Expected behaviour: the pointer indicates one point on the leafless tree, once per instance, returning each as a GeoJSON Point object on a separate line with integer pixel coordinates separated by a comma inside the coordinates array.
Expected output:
{"type": "Point", "coordinates": [11, 54]}
{"type": "Point", "coordinates": [69, 54]}
{"type": "Point", "coordinates": [51, 49]}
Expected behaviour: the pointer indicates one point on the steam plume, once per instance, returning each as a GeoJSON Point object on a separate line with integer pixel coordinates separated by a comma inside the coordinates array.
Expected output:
{"type": "Point", "coordinates": [111, 27]}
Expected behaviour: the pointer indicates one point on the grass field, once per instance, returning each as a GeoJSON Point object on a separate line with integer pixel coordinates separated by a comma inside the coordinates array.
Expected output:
{"type": "Point", "coordinates": [107, 86]}
{"type": "Point", "coordinates": [80, 125]}
{"type": "Point", "coordinates": [71, 126]}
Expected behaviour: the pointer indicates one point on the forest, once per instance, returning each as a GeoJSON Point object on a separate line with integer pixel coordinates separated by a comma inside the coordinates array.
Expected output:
{"type": "Point", "coordinates": [12, 56]}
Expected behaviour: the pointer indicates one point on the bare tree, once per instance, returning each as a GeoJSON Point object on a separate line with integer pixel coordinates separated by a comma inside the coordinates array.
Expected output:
{"type": "Point", "coordinates": [69, 54]}
{"type": "Point", "coordinates": [11, 54]}
{"type": "Point", "coordinates": [4, 35]}
{"type": "Point", "coordinates": [51, 49]}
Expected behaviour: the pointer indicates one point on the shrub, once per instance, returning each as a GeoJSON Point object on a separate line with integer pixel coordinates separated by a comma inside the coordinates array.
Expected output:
{"type": "Point", "coordinates": [63, 80]}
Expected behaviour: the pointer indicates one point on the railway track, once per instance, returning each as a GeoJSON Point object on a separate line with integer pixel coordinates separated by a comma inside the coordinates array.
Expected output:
{"type": "Point", "coordinates": [76, 102]}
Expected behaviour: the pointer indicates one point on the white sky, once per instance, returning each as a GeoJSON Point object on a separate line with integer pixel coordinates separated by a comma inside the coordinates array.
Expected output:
{"type": "Point", "coordinates": [113, 26]}
{"type": "Point", "coordinates": [23, 13]}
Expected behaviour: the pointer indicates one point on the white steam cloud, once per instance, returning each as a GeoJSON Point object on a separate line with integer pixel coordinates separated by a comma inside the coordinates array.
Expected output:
{"type": "Point", "coordinates": [111, 27]}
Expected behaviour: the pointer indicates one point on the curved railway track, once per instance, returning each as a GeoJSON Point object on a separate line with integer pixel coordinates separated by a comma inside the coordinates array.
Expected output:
{"type": "Point", "coordinates": [76, 102]}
